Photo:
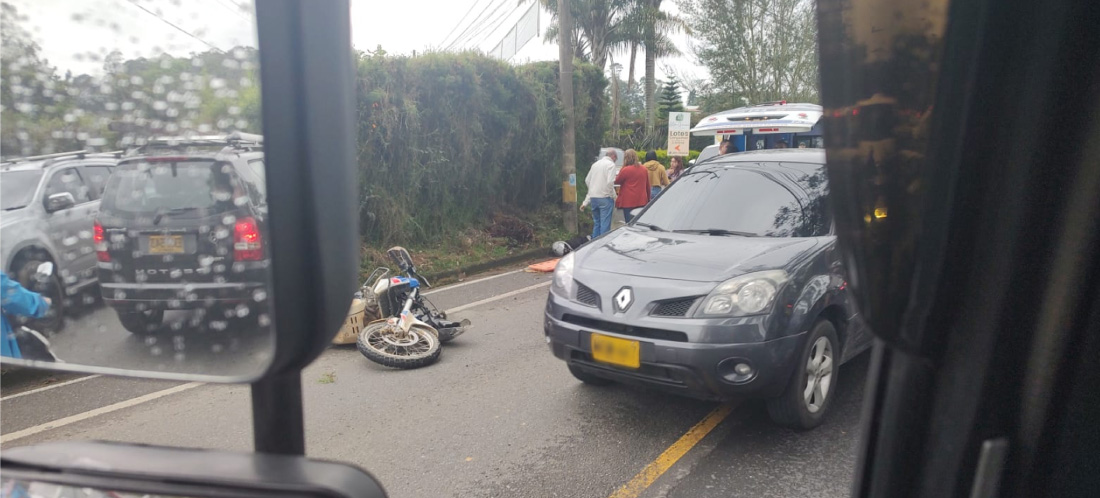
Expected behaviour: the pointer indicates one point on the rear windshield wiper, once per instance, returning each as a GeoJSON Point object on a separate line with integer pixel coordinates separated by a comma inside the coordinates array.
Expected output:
{"type": "Point", "coordinates": [162, 212]}
{"type": "Point", "coordinates": [718, 231]}
{"type": "Point", "coordinates": [655, 228]}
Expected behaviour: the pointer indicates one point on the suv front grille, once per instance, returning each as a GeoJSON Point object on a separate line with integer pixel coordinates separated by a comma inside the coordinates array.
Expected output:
{"type": "Point", "coordinates": [619, 328]}
{"type": "Point", "coordinates": [587, 296]}
{"type": "Point", "coordinates": [678, 307]}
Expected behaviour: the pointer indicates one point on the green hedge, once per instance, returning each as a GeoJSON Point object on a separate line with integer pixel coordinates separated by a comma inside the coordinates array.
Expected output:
{"type": "Point", "coordinates": [447, 139]}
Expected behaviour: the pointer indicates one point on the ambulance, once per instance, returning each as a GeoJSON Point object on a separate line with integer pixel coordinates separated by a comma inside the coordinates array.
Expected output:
{"type": "Point", "coordinates": [763, 126]}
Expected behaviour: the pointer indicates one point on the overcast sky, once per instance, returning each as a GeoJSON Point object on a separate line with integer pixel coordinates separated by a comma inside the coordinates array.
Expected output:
{"type": "Point", "coordinates": [76, 35]}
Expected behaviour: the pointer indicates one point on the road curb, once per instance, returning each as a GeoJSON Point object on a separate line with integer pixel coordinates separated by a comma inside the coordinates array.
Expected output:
{"type": "Point", "coordinates": [489, 265]}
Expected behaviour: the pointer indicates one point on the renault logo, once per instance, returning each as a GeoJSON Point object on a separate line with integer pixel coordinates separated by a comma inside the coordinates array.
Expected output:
{"type": "Point", "coordinates": [623, 299]}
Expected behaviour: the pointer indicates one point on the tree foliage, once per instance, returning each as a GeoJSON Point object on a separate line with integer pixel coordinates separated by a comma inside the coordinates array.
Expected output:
{"type": "Point", "coordinates": [447, 139]}
{"type": "Point", "coordinates": [756, 50]}
{"type": "Point", "coordinates": [44, 112]}
{"type": "Point", "coordinates": [671, 99]}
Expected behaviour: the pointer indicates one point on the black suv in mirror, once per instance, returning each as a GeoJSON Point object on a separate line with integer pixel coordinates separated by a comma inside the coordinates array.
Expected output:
{"type": "Point", "coordinates": [182, 226]}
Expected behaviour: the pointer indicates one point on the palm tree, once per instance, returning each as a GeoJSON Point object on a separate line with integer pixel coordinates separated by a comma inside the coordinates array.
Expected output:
{"type": "Point", "coordinates": [656, 28]}
{"type": "Point", "coordinates": [598, 27]}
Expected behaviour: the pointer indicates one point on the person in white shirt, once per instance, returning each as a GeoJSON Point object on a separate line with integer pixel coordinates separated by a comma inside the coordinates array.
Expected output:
{"type": "Point", "coordinates": [601, 192]}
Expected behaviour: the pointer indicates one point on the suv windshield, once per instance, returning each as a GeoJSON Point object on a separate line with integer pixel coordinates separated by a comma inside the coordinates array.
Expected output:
{"type": "Point", "coordinates": [180, 187]}
{"type": "Point", "coordinates": [17, 188]}
{"type": "Point", "coordinates": [720, 200]}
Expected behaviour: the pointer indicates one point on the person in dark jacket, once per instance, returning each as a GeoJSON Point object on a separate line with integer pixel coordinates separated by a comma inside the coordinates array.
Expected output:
{"type": "Point", "coordinates": [633, 182]}
{"type": "Point", "coordinates": [658, 177]}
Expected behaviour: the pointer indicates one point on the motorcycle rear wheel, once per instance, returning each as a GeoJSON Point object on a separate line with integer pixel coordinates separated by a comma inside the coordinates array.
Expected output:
{"type": "Point", "coordinates": [381, 343]}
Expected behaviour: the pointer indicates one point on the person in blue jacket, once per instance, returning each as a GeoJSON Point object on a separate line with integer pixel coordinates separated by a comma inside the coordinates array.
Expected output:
{"type": "Point", "coordinates": [17, 301]}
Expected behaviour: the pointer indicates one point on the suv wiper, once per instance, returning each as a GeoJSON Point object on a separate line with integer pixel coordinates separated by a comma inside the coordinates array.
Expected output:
{"type": "Point", "coordinates": [718, 231]}
{"type": "Point", "coordinates": [13, 208]}
{"type": "Point", "coordinates": [655, 228]}
{"type": "Point", "coordinates": [161, 212]}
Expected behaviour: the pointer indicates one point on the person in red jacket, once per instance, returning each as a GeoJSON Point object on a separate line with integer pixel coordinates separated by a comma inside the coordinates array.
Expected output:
{"type": "Point", "coordinates": [633, 182]}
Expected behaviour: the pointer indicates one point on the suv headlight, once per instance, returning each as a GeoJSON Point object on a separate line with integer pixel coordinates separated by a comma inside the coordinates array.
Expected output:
{"type": "Point", "coordinates": [748, 294]}
{"type": "Point", "coordinates": [563, 277]}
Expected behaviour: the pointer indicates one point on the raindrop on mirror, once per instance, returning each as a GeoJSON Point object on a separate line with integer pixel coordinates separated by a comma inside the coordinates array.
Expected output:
{"type": "Point", "coordinates": [133, 161]}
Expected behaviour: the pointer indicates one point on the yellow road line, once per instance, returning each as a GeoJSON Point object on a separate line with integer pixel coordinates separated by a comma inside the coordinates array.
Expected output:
{"type": "Point", "coordinates": [673, 454]}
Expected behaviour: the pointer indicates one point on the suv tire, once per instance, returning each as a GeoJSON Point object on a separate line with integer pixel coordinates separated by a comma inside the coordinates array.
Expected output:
{"type": "Point", "coordinates": [817, 364]}
{"type": "Point", "coordinates": [141, 322]}
{"type": "Point", "coordinates": [55, 317]}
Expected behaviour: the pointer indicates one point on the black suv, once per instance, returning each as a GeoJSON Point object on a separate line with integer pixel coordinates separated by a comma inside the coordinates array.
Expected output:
{"type": "Point", "coordinates": [182, 227]}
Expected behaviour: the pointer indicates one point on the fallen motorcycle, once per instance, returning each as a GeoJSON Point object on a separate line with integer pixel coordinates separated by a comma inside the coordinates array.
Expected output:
{"type": "Point", "coordinates": [411, 330]}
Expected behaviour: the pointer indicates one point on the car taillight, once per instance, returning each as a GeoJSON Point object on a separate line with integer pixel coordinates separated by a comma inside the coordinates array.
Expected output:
{"type": "Point", "coordinates": [248, 245]}
{"type": "Point", "coordinates": [100, 244]}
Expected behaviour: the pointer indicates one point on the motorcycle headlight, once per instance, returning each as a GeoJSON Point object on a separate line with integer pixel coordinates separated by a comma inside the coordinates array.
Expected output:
{"type": "Point", "coordinates": [748, 294]}
{"type": "Point", "coordinates": [563, 276]}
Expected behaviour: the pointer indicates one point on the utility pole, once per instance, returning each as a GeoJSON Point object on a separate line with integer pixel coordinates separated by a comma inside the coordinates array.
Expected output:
{"type": "Point", "coordinates": [616, 69]}
{"type": "Point", "coordinates": [568, 132]}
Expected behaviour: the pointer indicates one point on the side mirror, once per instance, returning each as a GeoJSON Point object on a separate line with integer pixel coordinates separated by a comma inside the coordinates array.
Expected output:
{"type": "Point", "coordinates": [104, 469]}
{"type": "Point", "coordinates": [303, 266]}
{"type": "Point", "coordinates": [57, 202]}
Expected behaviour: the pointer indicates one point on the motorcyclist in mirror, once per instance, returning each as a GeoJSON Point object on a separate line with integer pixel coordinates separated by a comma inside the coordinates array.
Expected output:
{"type": "Point", "coordinates": [16, 300]}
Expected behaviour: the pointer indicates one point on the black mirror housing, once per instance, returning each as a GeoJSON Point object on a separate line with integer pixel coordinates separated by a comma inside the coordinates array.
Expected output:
{"type": "Point", "coordinates": [182, 472]}
{"type": "Point", "coordinates": [308, 102]}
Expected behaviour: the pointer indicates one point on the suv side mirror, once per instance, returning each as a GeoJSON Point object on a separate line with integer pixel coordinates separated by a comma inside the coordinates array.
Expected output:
{"type": "Point", "coordinates": [57, 202]}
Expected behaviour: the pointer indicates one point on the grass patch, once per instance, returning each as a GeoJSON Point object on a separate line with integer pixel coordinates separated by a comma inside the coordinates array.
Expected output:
{"type": "Point", "coordinates": [327, 378]}
{"type": "Point", "coordinates": [478, 245]}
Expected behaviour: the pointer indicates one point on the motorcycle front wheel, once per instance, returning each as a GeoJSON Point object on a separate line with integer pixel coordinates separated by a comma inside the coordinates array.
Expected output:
{"type": "Point", "coordinates": [384, 344]}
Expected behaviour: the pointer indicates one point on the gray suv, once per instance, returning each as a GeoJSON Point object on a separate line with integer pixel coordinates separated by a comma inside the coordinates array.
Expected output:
{"type": "Point", "coordinates": [50, 204]}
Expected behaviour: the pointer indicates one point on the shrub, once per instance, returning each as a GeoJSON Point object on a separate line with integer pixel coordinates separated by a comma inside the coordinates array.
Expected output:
{"type": "Point", "coordinates": [446, 139]}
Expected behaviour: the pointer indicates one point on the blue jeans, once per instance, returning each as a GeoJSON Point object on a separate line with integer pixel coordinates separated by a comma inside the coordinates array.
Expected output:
{"type": "Point", "coordinates": [601, 215]}
{"type": "Point", "coordinates": [628, 214]}
{"type": "Point", "coordinates": [653, 191]}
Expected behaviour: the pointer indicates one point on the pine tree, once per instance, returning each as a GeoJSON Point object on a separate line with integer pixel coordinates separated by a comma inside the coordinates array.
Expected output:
{"type": "Point", "coordinates": [671, 100]}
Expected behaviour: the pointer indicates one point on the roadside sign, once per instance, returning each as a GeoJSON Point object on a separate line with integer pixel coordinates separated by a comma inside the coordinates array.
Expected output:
{"type": "Point", "coordinates": [679, 133]}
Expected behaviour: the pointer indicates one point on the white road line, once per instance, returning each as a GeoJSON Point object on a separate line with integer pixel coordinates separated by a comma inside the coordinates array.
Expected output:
{"type": "Point", "coordinates": [30, 431]}
{"type": "Point", "coordinates": [47, 388]}
{"type": "Point", "coordinates": [471, 282]}
{"type": "Point", "coordinates": [497, 298]}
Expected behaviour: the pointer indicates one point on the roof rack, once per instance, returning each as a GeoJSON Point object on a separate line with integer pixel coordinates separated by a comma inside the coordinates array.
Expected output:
{"type": "Point", "coordinates": [229, 139]}
{"type": "Point", "coordinates": [44, 156]}
{"type": "Point", "coordinates": [52, 158]}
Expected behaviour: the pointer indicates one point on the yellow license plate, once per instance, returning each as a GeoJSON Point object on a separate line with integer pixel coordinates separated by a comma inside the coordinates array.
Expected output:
{"type": "Point", "coordinates": [165, 244]}
{"type": "Point", "coordinates": [615, 351]}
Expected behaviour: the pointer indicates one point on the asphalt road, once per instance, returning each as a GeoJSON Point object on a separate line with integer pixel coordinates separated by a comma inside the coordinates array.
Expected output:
{"type": "Point", "coordinates": [185, 343]}
{"type": "Point", "coordinates": [497, 416]}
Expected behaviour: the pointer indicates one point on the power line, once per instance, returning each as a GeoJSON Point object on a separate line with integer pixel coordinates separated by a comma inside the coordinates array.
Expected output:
{"type": "Point", "coordinates": [236, 9]}
{"type": "Point", "coordinates": [489, 20]}
{"type": "Point", "coordinates": [181, 30]}
{"type": "Point", "coordinates": [459, 23]}
{"type": "Point", "coordinates": [473, 23]}
{"type": "Point", "coordinates": [499, 20]}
